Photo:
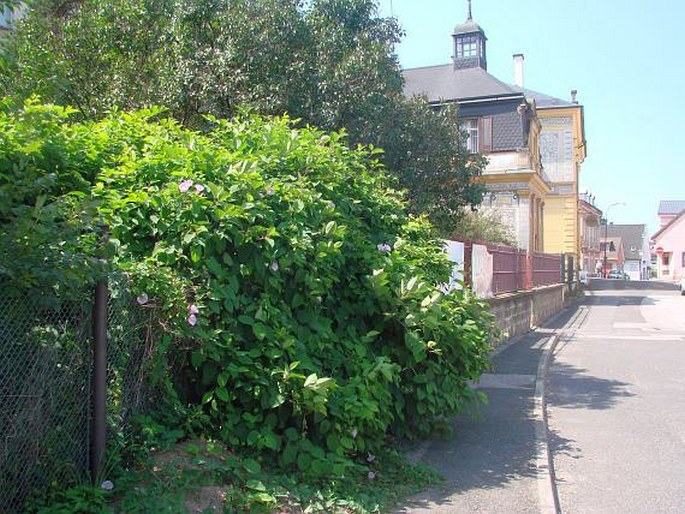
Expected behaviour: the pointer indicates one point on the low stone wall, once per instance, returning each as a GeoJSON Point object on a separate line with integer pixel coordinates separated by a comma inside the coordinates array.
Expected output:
{"type": "Point", "coordinates": [518, 313]}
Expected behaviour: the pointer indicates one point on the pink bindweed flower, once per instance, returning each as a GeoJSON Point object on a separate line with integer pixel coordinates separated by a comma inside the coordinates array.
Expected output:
{"type": "Point", "coordinates": [274, 266]}
{"type": "Point", "coordinates": [192, 320]}
{"type": "Point", "coordinates": [370, 457]}
{"type": "Point", "coordinates": [192, 309]}
{"type": "Point", "coordinates": [371, 475]}
{"type": "Point", "coordinates": [270, 191]}
{"type": "Point", "coordinates": [142, 299]}
{"type": "Point", "coordinates": [107, 485]}
{"type": "Point", "coordinates": [383, 247]}
{"type": "Point", "coordinates": [199, 188]}
{"type": "Point", "coordinates": [185, 185]}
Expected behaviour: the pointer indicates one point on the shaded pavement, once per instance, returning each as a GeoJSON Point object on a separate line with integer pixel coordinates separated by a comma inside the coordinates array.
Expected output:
{"type": "Point", "coordinates": [495, 460]}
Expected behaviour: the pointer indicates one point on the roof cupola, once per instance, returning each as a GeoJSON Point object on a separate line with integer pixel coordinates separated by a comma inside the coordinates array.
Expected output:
{"type": "Point", "coordinates": [469, 44]}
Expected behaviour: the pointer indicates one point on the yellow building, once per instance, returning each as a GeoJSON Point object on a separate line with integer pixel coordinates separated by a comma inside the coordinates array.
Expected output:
{"type": "Point", "coordinates": [562, 148]}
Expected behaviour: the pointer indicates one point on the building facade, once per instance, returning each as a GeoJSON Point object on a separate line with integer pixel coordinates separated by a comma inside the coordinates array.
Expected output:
{"type": "Point", "coordinates": [563, 148]}
{"type": "Point", "coordinates": [590, 235]}
{"type": "Point", "coordinates": [534, 143]}
{"type": "Point", "coordinates": [501, 122]}
{"type": "Point", "coordinates": [668, 243]}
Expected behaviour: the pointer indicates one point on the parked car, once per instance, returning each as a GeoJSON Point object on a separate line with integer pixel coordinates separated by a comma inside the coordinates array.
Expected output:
{"type": "Point", "coordinates": [682, 286]}
{"type": "Point", "coordinates": [615, 273]}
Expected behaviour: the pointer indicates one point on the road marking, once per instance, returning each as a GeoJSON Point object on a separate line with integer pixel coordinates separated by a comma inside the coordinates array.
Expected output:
{"type": "Point", "coordinates": [641, 337]}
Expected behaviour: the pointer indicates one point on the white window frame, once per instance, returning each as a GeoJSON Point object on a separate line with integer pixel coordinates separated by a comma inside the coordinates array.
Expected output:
{"type": "Point", "coordinates": [467, 47]}
{"type": "Point", "coordinates": [471, 127]}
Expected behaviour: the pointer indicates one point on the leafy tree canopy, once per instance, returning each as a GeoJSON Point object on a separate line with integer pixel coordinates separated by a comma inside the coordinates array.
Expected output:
{"type": "Point", "coordinates": [329, 63]}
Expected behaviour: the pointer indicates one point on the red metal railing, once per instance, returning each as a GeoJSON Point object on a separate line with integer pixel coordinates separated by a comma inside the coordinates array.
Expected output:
{"type": "Point", "coordinates": [509, 269]}
{"type": "Point", "coordinates": [546, 269]}
{"type": "Point", "coordinates": [514, 269]}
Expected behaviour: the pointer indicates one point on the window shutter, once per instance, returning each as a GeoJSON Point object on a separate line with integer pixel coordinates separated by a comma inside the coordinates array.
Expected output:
{"type": "Point", "coordinates": [486, 134]}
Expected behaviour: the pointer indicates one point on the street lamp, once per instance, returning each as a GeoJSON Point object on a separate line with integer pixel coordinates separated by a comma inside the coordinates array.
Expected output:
{"type": "Point", "coordinates": [606, 230]}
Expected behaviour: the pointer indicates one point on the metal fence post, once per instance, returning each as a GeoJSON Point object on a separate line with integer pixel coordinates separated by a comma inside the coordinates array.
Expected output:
{"type": "Point", "coordinates": [99, 379]}
{"type": "Point", "coordinates": [99, 422]}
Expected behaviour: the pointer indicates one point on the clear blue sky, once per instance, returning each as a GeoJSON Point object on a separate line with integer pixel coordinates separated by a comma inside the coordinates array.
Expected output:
{"type": "Point", "coordinates": [625, 58]}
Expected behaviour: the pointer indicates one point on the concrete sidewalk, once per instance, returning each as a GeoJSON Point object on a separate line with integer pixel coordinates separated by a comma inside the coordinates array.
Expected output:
{"type": "Point", "coordinates": [497, 461]}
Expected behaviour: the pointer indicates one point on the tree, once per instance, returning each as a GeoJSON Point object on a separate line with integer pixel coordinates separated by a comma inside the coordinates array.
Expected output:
{"type": "Point", "coordinates": [484, 226]}
{"type": "Point", "coordinates": [329, 63]}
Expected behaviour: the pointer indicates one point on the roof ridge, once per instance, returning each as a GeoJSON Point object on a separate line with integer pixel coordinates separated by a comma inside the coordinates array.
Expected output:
{"type": "Point", "coordinates": [428, 66]}
{"type": "Point", "coordinates": [668, 225]}
{"type": "Point", "coordinates": [533, 92]}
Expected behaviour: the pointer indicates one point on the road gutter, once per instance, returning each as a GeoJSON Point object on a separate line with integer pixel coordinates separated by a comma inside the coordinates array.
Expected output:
{"type": "Point", "coordinates": [546, 481]}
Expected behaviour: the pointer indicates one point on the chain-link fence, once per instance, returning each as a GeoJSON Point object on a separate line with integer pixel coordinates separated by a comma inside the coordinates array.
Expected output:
{"type": "Point", "coordinates": [46, 363]}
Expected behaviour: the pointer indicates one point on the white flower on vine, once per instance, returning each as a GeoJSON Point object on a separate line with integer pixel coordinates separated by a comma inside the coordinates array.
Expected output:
{"type": "Point", "coordinates": [185, 185]}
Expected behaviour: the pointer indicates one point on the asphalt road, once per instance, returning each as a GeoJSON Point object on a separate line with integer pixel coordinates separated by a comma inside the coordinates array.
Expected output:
{"type": "Point", "coordinates": [615, 401]}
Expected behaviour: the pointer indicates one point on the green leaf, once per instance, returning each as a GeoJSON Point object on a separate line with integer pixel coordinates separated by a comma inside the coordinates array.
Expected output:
{"type": "Point", "coordinates": [263, 498]}
{"type": "Point", "coordinates": [255, 485]}
{"type": "Point", "coordinates": [251, 466]}
{"type": "Point", "coordinates": [304, 461]}
{"type": "Point", "coordinates": [197, 358]}
{"type": "Point", "coordinates": [311, 381]}
{"type": "Point", "coordinates": [289, 454]}
{"type": "Point", "coordinates": [222, 394]}
{"type": "Point", "coordinates": [292, 434]}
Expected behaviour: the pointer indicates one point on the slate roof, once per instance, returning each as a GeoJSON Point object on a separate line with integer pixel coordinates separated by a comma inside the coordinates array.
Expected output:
{"type": "Point", "coordinates": [468, 27]}
{"type": "Point", "coordinates": [671, 207]}
{"type": "Point", "coordinates": [444, 82]}
{"type": "Point", "coordinates": [631, 235]}
{"type": "Point", "coordinates": [542, 100]}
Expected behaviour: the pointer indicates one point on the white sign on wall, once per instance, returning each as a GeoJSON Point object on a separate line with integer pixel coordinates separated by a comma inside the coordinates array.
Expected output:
{"type": "Point", "coordinates": [455, 253]}
{"type": "Point", "coordinates": [482, 271]}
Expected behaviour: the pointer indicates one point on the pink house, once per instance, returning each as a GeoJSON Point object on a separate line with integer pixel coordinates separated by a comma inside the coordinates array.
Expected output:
{"type": "Point", "coordinates": [669, 242]}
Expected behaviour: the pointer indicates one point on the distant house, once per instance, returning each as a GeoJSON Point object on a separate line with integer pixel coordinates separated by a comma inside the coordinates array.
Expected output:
{"type": "Point", "coordinates": [669, 241]}
{"type": "Point", "coordinates": [636, 252]}
{"type": "Point", "coordinates": [501, 123]}
{"type": "Point", "coordinates": [612, 254]}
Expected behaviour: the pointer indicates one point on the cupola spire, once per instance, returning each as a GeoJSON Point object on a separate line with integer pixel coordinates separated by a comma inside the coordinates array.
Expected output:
{"type": "Point", "coordinates": [470, 18]}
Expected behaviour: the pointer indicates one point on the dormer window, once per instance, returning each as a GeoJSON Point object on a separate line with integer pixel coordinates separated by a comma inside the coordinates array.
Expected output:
{"type": "Point", "coordinates": [478, 134]}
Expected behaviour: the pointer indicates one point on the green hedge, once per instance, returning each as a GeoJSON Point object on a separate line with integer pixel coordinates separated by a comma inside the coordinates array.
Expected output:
{"type": "Point", "coordinates": [301, 305]}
